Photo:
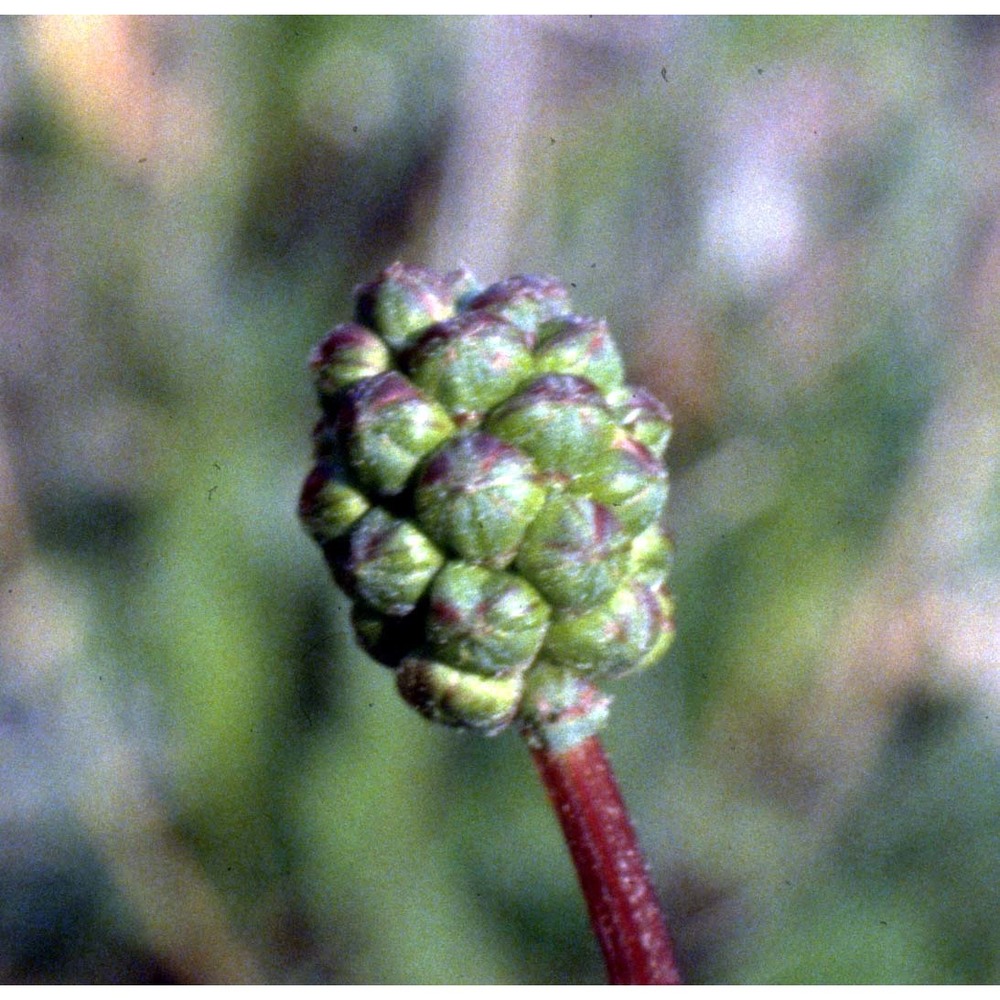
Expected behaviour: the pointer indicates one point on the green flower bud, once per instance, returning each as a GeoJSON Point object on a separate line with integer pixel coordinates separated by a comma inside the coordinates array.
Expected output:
{"type": "Point", "coordinates": [644, 417]}
{"type": "Point", "coordinates": [577, 345]}
{"type": "Point", "coordinates": [484, 620]}
{"type": "Point", "coordinates": [404, 301]}
{"type": "Point", "coordinates": [575, 553]}
{"type": "Point", "coordinates": [346, 354]}
{"type": "Point", "coordinates": [628, 480]}
{"type": "Point", "coordinates": [455, 698]}
{"type": "Point", "coordinates": [561, 421]}
{"type": "Point", "coordinates": [524, 300]}
{"type": "Point", "coordinates": [625, 634]}
{"type": "Point", "coordinates": [328, 505]}
{"type": "Point", "coordinates": [476, 496]}
{"type": "Point", "coordinates": [387, 426]}
{"type": "Point", "coordinates": [387, 562]}
{"type": "Point", "coordinates": [470, 363]}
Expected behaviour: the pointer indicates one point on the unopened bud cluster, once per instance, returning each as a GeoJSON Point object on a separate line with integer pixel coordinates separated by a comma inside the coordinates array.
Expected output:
{"type": "Point", "coordinates": [489, 491]}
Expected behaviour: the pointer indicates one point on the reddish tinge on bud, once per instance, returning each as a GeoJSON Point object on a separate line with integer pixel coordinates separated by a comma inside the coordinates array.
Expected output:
{"type": "Point", "coordinates": [525, 300]}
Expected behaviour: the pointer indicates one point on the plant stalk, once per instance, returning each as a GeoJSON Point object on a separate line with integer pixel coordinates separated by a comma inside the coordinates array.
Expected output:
{"type": "Point", "coordinates": [624, 911]}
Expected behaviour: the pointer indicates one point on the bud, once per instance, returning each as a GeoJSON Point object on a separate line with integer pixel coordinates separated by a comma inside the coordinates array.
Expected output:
{"type": "Point", "coordinates": [387, 425]}
{"type": "Point", "coordinates": [578, 345]}
{"type": "Point", "coordinates": [346, 354]}
{"type": "Point", "coordinates": [630, 481]}
{"type": "Point", "coordinates": [456, 698]}
{"type": "Point", "coordinates": [387, 562]}
{"type": "Point", "coordinates": [470, 363]}
{"type": "Point", "coordinates": [628, 633]}
{"type": "Point", "coordinates": [476, 496]}
{"type": "Point", "coordinates": [575, 552]}
{"type": "Point", "coordinates": [484, 620]}
{"type": "Point", "coordinates": [405, 300]}
{"type": "Point", "coordinates": [328, 505]}
{"type": "Point", "coordinates": [561, 421]}
{"type": "Point", "coordinates": [524, 300]}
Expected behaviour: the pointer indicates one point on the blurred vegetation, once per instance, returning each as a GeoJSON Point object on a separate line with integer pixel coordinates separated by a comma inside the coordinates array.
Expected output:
{"type": "Point", "coordinates": [793, 226]}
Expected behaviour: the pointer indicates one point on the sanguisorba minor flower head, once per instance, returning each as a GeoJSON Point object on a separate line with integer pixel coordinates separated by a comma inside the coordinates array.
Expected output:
{"type": "Point", "coordinates": [489, 492]}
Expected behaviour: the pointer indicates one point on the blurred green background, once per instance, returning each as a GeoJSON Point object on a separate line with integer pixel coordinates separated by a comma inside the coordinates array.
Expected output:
{"type": "Point", "coordinates": [793, 226]}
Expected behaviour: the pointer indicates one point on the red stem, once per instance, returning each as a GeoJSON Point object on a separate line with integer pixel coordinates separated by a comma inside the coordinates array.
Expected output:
{"type": "Point", "coordinates": [624, 911]}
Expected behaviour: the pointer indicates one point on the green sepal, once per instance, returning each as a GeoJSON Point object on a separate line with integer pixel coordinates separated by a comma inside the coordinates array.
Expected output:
{"type": "Point", "coordinates": [470, 363]}
{"type": "Point", "coordinates": [575, 553]}
{"type": "Point", "coordinates": [387, 562]}
{"type": "Point", "coordinates": [476, 495]}
{"type": "Point", "coordinates": [560, 709]}
{"type": "Point", "coordinates": [484, 620]}
{"type": "Point", "coordinates": [579, 345]}
{"type": "Point", "coordinates": [627, 633]}
{"type": "Point", "coordinates": [456, 698]}
{"type": "Point", "coordinates": [561, 421]}
{"type": "Point", "coordinates": [386, 426]}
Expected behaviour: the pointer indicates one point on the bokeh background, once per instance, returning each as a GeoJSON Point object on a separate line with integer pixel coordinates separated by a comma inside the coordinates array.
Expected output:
{"type": "Point", "coordinates": [793, 226]}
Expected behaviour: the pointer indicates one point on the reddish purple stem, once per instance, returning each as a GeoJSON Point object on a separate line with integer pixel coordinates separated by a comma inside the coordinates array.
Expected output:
{"type": "Point", "coordinates": [624, 911]}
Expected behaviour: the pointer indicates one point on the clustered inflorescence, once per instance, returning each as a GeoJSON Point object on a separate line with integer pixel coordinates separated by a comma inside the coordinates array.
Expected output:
{"type": "Point", "coordinates": [489, 491]}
